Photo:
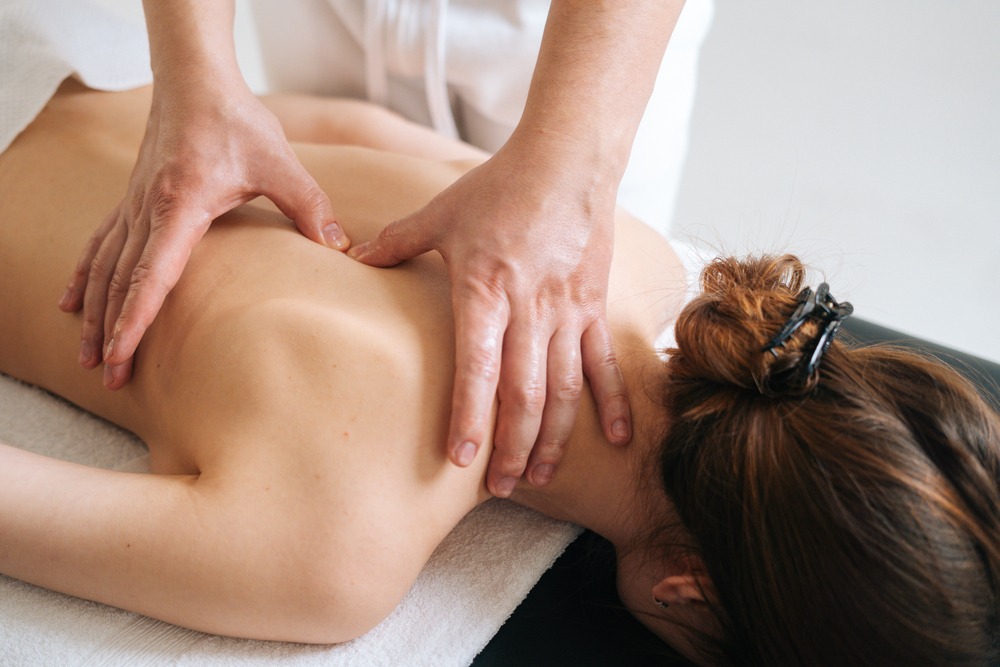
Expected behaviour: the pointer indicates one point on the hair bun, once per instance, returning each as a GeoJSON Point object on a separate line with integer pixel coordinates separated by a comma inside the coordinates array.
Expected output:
{"type": "Point", "coordinates": [721, 334]}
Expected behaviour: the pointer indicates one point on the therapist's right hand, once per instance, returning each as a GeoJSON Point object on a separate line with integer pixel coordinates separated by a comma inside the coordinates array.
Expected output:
{"type": "Point", "coordinates": [208, 148]}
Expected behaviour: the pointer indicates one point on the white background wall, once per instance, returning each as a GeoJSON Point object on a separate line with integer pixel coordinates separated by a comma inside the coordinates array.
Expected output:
{"type": "Point", "coordinates": [865, 135]}
{"type": "Point", "coordinates": [862, 134]}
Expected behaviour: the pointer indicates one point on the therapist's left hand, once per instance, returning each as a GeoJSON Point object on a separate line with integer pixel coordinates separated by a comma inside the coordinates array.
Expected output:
{"type": "Point", "coordinates": [528, 243]}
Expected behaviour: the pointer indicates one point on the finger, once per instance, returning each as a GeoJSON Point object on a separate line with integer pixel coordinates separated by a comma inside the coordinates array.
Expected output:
{"type": "Point", "coordinates": [522, 400]}
{"type": "Point", "coordinates": [95, 298]}
{"type": "Point", "coordinates": [120, 280]}
{"type": "Point", "coordinates": [601, 368]}
{"type": "Point", "coordinates": [116, 377]}
{"type": "Point", "coordinates": [302, 200]}
{"type": "Point", "coordinates": [400, 240]}
{"type": "Point", "coordinates": [157, 270]}
{"type": "Point", "coordinates": [562, 401]}
{"type": "Point", "coordinates": [72, 299]}
{"type": "Point", "coordinates": [479, 327]}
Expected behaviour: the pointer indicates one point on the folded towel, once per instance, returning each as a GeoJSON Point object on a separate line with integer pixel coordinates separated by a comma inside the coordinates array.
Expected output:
{"type": "Point", "coordinates": [42, 43]}
{"type": "Point", "coordinates": [472, 583]}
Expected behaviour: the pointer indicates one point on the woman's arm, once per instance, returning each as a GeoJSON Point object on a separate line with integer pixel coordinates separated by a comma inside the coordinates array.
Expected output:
{"type": "Point", "coordinates": [223, 556]}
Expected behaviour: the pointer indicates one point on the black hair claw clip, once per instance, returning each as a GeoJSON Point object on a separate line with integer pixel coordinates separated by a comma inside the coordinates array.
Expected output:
{"type": "Point", "coordinates": [819, 305]}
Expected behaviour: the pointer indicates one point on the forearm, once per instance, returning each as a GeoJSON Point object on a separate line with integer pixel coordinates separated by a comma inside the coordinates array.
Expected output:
{"type": "Point", "coordinates": [161, 545]}
{"type": "Point", "coordinates": [191, 40]}
{"type": "Point", "coordinates": [596, 69]}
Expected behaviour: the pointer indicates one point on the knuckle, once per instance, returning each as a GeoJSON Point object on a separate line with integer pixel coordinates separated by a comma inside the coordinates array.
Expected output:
{"type": "Point", "coordinates": [607, 359]}
{"type": "Point", "coordinates": [393, 239]}
{"type": "Point", "coordinates": [527, 397]}
{"type": "Point", "coordinates": [389, 234]}
{"type": "Point", "coordinates": [92, 323]}
{"type": "Point", "coordinates": [132, 207]}
{"type": "Point", "coordinates": [315, 200]}
{"type": "Point", "coordinates": [163, 200]}
{"type": "Point", "coordinates": [551, 449]}
{"type": "Point", "coordinates": [99, 271]}
{"type": "Point", "coordinates": [481, 362]}
{"type": "Point", "coordinates": [144, 277]}
{"type": "Point", "coordinates": [390, 243]}
{"type": "Point", "coordinates": [119, 283]}
{"type": "Point", "coordinates": [569, 390]}
{"type": "Point", "coordinates": [82, 270]}
{"type": "Point", "coordinates": [90, 250]}
{"type": "Point", "coordinates": [512, 460]}
{"type": "Point", "coordinates": [173, 189]}
{"type": "Point", "coordinates": [617, 396]}
{"type": "Point", "coordinates": [488, 287]}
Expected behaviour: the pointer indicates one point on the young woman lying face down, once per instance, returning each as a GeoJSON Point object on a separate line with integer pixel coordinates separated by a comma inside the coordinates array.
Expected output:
{"type": "Point", "coordinates": [294, 403]}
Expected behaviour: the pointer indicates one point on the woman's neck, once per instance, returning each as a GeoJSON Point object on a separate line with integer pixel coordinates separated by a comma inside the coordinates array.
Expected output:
{"type": "Point", "coordinates": [596, 483]}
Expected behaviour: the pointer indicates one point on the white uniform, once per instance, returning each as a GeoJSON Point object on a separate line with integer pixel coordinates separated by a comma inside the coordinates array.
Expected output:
{"type": "Point", "coordinates": [464, 68]}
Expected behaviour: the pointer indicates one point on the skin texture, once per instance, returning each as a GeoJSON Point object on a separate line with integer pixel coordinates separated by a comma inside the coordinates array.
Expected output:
{"type": "Point", "coordinates": [283, 504]}
{"type": "Point", "coordinates": [527, 236]}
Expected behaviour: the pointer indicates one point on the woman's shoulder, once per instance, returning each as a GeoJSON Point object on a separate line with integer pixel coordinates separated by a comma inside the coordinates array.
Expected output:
{"type": "Point", "coordinates": [648, 285]}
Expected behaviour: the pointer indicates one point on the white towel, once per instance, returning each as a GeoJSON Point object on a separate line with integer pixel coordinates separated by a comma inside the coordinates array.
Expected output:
{"type": "Point", "coordinates": [44, 41]}
{"type": "Point", "coordinates": [472, 583]}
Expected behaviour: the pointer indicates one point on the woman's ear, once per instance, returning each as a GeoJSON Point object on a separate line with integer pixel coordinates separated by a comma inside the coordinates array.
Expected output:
{"type": "Point", "coordinates": [692, 586]}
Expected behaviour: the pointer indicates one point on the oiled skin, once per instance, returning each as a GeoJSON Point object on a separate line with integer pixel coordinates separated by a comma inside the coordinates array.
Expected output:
{"type": "Point", "coordinates": [295, 402]}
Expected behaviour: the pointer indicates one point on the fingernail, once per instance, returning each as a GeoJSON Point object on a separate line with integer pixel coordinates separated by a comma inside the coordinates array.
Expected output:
{"type": "Point", "coordinates": [542, 473]}
{"type": "Point", "coordinates": [86, 352]}
{"type": "Point", "coordinates": [465, 453]}
{"type": "Point", "coordinates": [333, 235]}
{"type": "Point", "coordinates": [505, 486]}
{"type": "Point", "coordinates": [110, 349]}
{"type": "Point", "coordinates": [64, 299]}
{"type": "Point", "coordinates": [619, 429]}
{"type": "Point", "coordinates": [109, 377]}
{"type": "Point", "coordinates": [358, 250]}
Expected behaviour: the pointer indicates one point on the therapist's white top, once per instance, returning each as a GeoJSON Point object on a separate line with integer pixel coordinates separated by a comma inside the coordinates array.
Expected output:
{"type": "Point", "coordinates": [464, 67]}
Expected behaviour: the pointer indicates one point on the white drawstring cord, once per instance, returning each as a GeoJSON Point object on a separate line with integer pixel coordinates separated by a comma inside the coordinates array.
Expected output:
{"type": "Point", "coordinates": [435, 72]}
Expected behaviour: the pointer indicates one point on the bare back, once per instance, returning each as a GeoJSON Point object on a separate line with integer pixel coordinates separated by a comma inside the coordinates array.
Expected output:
{"type": "Point", "coordinates": [279, 372]}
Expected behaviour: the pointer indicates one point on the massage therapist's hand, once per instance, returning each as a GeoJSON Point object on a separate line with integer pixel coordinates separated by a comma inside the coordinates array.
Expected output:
{"type": "Point", "coordinates": [528, 249]}
{"type": "Point", "coordinates": [207, 149]}
{"type": "Point", "coordinates": [528, 241]}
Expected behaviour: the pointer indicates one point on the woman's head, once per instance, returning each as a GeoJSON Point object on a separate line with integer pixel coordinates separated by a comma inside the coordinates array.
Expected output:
{"type": "Point", "coordinates": [847, 517]}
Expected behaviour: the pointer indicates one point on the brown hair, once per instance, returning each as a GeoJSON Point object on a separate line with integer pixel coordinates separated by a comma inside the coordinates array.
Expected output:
{"type": "Point", "coordinates": [847, 518]}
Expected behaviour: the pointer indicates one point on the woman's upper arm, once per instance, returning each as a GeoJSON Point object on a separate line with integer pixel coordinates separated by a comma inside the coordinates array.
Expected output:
{"type": "Point", "coordinates": [229, 556]}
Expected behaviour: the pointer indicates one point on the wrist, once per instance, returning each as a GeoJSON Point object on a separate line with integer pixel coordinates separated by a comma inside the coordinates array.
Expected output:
{"type": "Point", "coordinates": [596, 68]}
{"type": "Point", "coordinates": [198, 84]}
{"type": "Point", "coordinates": [191, 41]}
{"type": "Point", "coordinates": [567, 159]}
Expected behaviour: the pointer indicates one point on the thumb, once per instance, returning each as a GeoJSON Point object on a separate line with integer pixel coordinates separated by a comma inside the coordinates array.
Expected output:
{"type": "Point", "coordinates": [398, 241]}
{"type": "Point", "coordinates": [308, 206]}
